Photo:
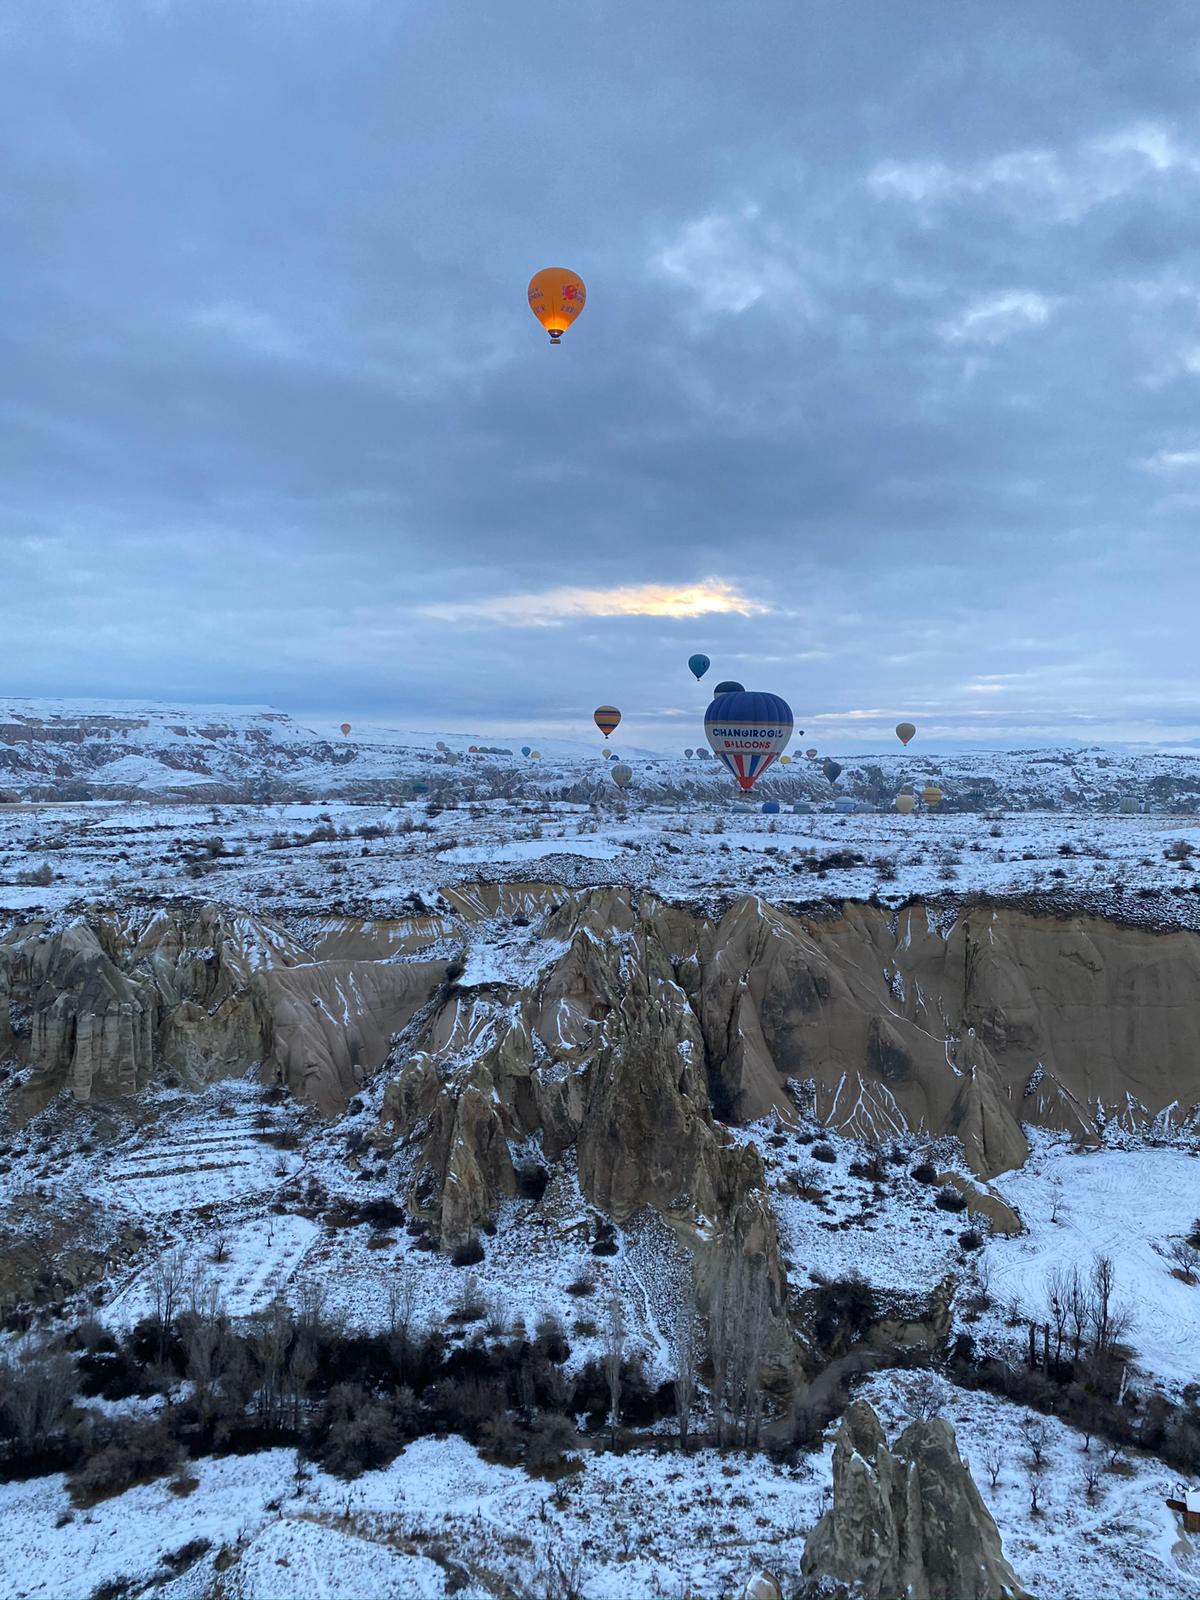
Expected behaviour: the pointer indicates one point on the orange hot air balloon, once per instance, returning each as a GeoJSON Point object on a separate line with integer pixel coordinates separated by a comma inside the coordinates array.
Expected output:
{"type": "Point", "coordinates": [556, 297]}
{"type": "Point", "coordinates": [345, 727]}
{"type": "Point", "coordinates": [606, 719]}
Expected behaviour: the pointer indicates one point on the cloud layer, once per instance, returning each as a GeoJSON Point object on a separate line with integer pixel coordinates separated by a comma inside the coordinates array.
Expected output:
{"type": "Point", "coordinates": [884, 397]}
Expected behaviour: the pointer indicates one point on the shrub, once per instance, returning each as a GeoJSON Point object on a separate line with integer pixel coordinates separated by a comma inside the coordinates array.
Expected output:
{"type": "Point", "coordinates": [972, 1239]}
{"type": "Point", "coordinates": [949, 1199]}
{"type": "Point", "coordinates": [925, 1172]}
{"type": "Point", "coordinates": [136, 1455]}
{"type": "Point", "coordinates": [584, 1284]}
{"type": "Point", "coordinates": [550, 1438]}
{"type": "Point", "coordinates": [468, 1254]}
{"type": "Point", "coordinates": [824, 1152]}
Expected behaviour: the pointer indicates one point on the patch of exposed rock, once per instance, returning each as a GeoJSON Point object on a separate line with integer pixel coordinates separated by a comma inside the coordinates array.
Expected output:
{"type": "Point", "coordinates": [905, 1522]}
{"type": "Point", "coordinates": [104, 1005]}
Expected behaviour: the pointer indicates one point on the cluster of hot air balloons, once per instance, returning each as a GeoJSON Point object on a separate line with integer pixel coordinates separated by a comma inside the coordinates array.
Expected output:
{"type": "Point", "coordinates": [747, 730]}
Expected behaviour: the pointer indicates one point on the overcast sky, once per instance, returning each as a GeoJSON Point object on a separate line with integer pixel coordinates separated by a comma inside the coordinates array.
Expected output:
{"type": "Point", "coordinates": [885, 395]}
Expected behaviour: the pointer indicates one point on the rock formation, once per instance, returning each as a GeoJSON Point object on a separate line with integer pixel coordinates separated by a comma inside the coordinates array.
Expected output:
{"type": "Point", "coordinates": [906, 1522]}
{"type": "Point", "coordinates": [101, 1006]}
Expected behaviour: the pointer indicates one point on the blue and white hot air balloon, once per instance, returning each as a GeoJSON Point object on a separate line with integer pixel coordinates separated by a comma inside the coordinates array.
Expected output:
{"type": "Point", "coordinates": [747, 730]}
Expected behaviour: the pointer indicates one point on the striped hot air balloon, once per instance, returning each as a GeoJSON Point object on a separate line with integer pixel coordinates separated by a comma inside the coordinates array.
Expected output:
{"type": "Point", "coordinates": [606, 719]}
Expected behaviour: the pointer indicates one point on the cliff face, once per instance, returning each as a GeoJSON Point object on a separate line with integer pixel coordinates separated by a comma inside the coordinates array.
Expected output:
{"type": "Point", "coordinates": [634, 1028]}
{"type": "Point", "coordinates": [101, 1007]}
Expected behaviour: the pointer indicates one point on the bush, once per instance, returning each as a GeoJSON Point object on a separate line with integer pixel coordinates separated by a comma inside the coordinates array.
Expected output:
{"type": "Point", "coordinates": [136, 1455]}
{"type": "Point", "coordinates": [925, 1172]}
{"type": "Point", "coordinates": [38, 878]}
{"type": "Point", "coordinates": [971, 1240]}
{"type": "Point", "coordinates": [584, 1284]}
{"type": "Point", "coordinates": [949, 1199]}
{"type": "Point", "coordinates": [824, 1152]}
{"type": "Point", "coordinates": [550, 1439]}
{"type": "Point", "coordinates": [467, 1255]}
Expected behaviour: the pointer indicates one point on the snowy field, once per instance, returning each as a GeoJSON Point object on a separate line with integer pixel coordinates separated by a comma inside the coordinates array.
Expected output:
{"type": "Point", "coordinates": [375, 859]}
{"type": "Point", "coordinates": [643, 1524]}
{"type": "Point", "coordinates": [1128, 1205]}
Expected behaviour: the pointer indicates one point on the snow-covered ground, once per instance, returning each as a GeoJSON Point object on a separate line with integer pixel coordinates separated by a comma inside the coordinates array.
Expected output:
{"type": "Point", "coordinates": [1128, 1205]}
{"type": "Point", "coordinates": [373, 858]}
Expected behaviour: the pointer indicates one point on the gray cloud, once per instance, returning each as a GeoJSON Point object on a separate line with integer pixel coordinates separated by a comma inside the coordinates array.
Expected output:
{"type": "Point", "coordinates": [893, 327]}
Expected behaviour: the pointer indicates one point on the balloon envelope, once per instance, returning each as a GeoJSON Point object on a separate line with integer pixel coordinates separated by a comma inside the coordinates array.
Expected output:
{"type": "Point", "coordinates": [606, 719]}
{"type": "Point", "coordinates": [831, 768]}
{"type": "Point", "coordinates": [472, 749]}
{"type": "Point", "coordinates": [905, 803]}
{"type": "Point", "coordinates": [931, 794]}
{"type": "Point", "coordinates": [729, 687]}
{"type": "Point", "coordinates": [785, 761]}
{"type": "Point", "coordinates": [771, 808]}
{"type": "Point", "coordinates": [699, 665]}
{"type": "Point", "coordinates": [689, 752]}
{"type": "Point", "coordinates": [441, 744]}
{"type": "Point", "coordinates": [556, 297]}
{"type": "Point", "coordinates": [811, 752]}
{"type": "Point", "coordinates": [525, 750]}
{"type": "Point", "coordinates": [535, 755]}
{"type": "Point", "coordinates": [747, 732]}
{"type": "Point", "coordinates": [905, 731]}
{"type": "Point", "coordinates": [345, 727]}
{"type": "Point", "coordinates": [622, 775]}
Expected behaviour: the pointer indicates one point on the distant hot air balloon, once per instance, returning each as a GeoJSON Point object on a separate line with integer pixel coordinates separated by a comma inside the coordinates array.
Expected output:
{"type": "Point", "coordinates": [526, 750]}
{"type": "Point", "coordinates": [535, 755]}
{"type": "Point", "coordinates": [931, 794]}
{"type": "Point", "coordinates": [689, 752]}
{"type": "Point", "coordinates": [1129, 808]}
{"type": "Point", "coordinates": [699, 665]}
{"type": "Point", "coordinates": [556, 297]}
{"type": "Point", "coordinates": [747, 732]}
{"type": "Point", "coordinates": [606, 753]}
{"type": "Point", "coordinates": [785, 761]}
{"type": "Point", "coordinates": [905, 803]}
{"type": "Point", "coordinates": [905, 731]}
{"type": "Point", "coordinates": [729, 687]}
{"type": "Point", "coordinates": [472, 749]}
{"type": "Point", "coordinates": [606, 719]}
{"type": "Point", "coordinates": [771, 808]}
{"type": "Point", "coordinates": [441, 744]}
{"type": "Point", "coordinates": [622, 775]}
{"type": "Point", "coordinates": [831, 768]}
{"type": "Point", "coordinates": [345, 727]}
{"type": "Point", "coordinates": [811, 752]}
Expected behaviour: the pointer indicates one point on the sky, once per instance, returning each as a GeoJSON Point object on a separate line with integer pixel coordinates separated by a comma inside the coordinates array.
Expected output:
{"type": "Point", "coordinates": [884, 397]}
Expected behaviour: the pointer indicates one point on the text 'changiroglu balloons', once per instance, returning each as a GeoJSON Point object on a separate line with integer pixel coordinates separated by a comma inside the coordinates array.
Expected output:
{"type": "Point", "coordinates": [747, 731]}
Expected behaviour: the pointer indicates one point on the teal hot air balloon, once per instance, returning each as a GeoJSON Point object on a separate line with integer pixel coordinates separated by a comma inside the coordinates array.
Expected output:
{"type": "Point", "coordinates": [526, 749]}
{"type": "Point", "coordinates": [699, 665]}
{"type": "Point", "coordinates": [728, 687]}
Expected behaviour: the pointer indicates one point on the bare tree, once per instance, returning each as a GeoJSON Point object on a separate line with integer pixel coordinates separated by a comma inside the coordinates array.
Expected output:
{"type": "Point", "coordinates": [401, 1301]}
{"type": "Point", "coordinates": [169, 1277]}
{"type": "Point", "coordinates": [924, 1397]}
{"type": "Point", "coordinates": [738, 1324]}
{"type": "Point", "coordinates": [1035, 1488]}
{"type": "Point", "coordinates": [1035, 1434]}
{"type": "Point", "coordinates": [993, 1461]}
{"type": "Point", "coordinates": [614, 1353]}
{"type": "Point", "coordinates": [36, 1384]}
{"type": "Point", "coordinates": [220, 1245]}
{"type": "Point", "coordinates": [683, 1342]}
{"type": "Point", "coordinates": [1092, 1482]}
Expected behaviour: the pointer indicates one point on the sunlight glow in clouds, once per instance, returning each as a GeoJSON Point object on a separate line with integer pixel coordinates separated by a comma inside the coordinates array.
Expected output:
{"type": "Point", "coordinates": [552, 608]}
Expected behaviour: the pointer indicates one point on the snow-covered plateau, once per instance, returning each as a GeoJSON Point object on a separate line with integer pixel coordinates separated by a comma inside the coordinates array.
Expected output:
{"type": "Point", "coordinates": [432, 1172]}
